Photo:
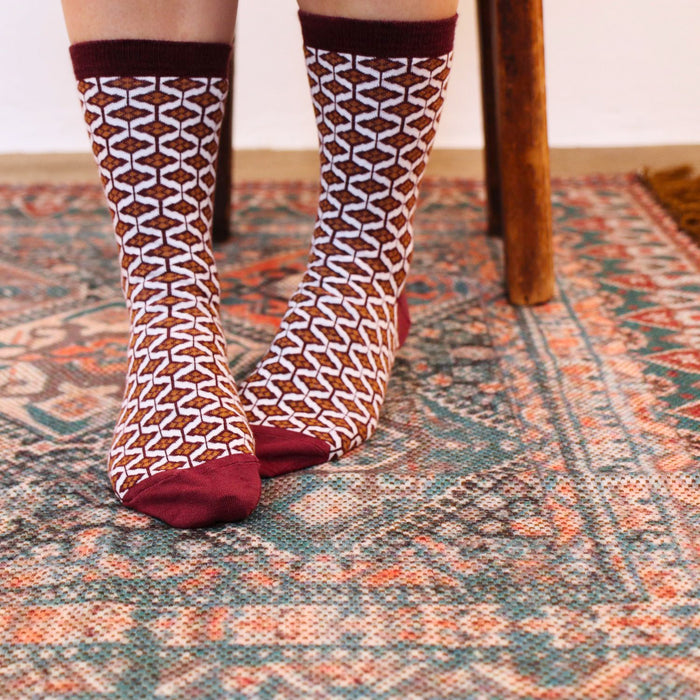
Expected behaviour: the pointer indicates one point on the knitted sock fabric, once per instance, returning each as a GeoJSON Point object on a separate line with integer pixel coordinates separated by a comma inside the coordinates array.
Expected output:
{"type": "Point", "coordinates": [377, 90]}
{"type": "Point", "coordinates": [182, 450]}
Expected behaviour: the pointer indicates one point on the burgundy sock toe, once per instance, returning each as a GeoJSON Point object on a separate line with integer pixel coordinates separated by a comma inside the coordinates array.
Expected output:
{"type": "Point", "coordinates": [283, 451]}
{"type": "Point", "coordinates": [221, 491]}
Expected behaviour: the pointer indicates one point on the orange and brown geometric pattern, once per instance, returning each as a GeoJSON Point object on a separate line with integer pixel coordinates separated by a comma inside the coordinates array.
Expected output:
{"type": "Point", "coordinates": [326, 372]}
{"type": "Point", "coordinates": [155, 140]}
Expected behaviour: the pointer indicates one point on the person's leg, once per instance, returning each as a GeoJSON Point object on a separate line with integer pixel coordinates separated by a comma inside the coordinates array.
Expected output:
{"type": "Point", "coordinates": [168, 20]}
{"type": "Point", "coordinates": [153, 99]}
{"type": "Point", "coordinates": [397, 10]}
{"type": "Point", "coordinates": [377, 83]}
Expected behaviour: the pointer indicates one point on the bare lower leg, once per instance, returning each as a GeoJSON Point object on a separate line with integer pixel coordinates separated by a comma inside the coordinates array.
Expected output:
{"type": "Point", "coordinates": [404, 10]}
{"type": "Point", "coordinates": [166, 20]}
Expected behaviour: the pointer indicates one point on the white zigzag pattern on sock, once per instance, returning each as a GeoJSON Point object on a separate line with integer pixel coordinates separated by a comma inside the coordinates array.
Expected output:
{"type": "Point", "coordinates": [327, 369]}
{"type": "Point", "coordinates": [155, 141]}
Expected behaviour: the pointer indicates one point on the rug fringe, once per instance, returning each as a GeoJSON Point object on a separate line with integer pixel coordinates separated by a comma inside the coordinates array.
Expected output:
{"type": "Point", "coordinates": [678, 190]}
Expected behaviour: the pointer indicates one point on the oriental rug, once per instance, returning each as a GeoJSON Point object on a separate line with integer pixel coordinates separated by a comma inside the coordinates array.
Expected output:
{"type": "Point", "coordinates": [524, 524]}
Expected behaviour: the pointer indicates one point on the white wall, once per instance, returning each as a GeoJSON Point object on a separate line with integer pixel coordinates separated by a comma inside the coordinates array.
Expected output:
{"type": "Point", "coordinates": [619, 72]}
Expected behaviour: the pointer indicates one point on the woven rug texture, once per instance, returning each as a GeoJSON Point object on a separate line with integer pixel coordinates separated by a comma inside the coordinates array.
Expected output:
{"type": "Point", "coordinates": [524, 524]}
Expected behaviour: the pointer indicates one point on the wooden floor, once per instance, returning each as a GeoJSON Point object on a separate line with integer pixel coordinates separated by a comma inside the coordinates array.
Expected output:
{"type": "Point", "coordinates": [303, 165]}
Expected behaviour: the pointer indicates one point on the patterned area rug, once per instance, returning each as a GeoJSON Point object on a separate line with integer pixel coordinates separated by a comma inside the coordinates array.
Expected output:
{"type": "Point", "coordinates": [524, 524]}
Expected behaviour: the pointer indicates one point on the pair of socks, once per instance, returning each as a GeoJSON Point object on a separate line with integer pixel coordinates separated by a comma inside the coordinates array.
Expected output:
{"type": "Point", "coordinates": [189, 447]}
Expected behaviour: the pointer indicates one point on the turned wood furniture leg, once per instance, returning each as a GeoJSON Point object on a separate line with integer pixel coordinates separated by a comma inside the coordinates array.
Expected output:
{"type": "Point", "coordinates": [526, 208]}
{"type": "Point", "coordinates": [487, 29]}
{"type": "Point", "coordinates": [221, 224]}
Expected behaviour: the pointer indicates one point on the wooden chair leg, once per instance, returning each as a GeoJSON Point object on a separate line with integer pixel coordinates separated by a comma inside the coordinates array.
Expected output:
{"type": "Point", "coordinates": [221, 224]}
{"type": "Point", "coordinates": [526, 207]}
{"type": "Point", "coordinates": [487, 30]}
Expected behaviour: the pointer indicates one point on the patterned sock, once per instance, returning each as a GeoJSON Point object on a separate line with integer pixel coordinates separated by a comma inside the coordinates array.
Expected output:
{"type": "Point", "coordinates": [182, 450]}
{"type": "Point", "coordinates": [377, 90]}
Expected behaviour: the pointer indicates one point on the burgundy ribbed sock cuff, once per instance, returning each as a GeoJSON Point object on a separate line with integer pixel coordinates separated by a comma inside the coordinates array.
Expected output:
{"type": "Point", "coordinates": [381, 39]}
{"type": "Point", "coordinates": [147, 57]}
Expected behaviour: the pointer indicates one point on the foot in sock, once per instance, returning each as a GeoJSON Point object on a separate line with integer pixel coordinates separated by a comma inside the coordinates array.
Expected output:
{"type": "Point", "coordinates": [182, 450]}
{"type": "Point", "coordinates": [377, 90]}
